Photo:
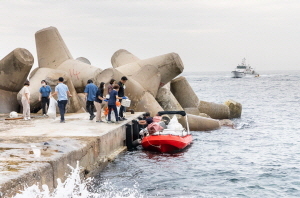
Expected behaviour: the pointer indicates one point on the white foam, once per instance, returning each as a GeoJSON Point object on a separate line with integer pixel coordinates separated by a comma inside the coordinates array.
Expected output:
{"type": "Point", "coordinates": [76, 187]}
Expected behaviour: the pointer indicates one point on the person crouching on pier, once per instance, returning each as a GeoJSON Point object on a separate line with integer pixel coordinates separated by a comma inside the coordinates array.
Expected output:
{"type": "Point", "coordinates": [62, 92]}
{"type": "Point", "coordinates": [113, 96]}
{"type": "Point", "coordinates": [26, 100]}
{"type": "Point", "coordinates": [99, 102]}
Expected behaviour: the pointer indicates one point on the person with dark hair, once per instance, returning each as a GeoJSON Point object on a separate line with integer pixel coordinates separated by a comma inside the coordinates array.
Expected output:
{"type": "Point", "coordinates": [146, 119]}
{"type": "Point", "coordinates": [99, 103]}
{"type": "Point", "coordinates": [90, 96]}
{"type": "Point", "coordinates": [45, 91]}
{"type": "Point", "coordinates": [113, 96]}
{"type": "Point", "coordinates": [110, 85]}
{"type": "Point", "coordinates": [26, 100]}
{"type": "Point", "coordinates": [62, 92]}
{"type": "Point", "coordinates": [121, 93]}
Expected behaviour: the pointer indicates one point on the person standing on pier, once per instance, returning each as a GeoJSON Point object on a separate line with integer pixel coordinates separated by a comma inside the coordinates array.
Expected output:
{"type": "Point", "coordinates": [99, 102]}
{"type": "Point", "coordinates": [110, 86]}
{"type": "Point", "coordinates": [113, 96]}
{"type": "Point", "coordinates": [62, 92]}
{"type": "Point", "coordinates": [45, 91]}
{"type": "Point", "coordinates": [90, 92]}
{"type": "Point", "coordinates": [26, 100]}
{"type": "Point", "coordinates": [121, 93]}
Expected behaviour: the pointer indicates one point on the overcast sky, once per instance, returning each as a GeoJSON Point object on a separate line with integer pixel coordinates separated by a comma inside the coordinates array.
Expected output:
{"type": "Point", "coordinates": [209, 35]}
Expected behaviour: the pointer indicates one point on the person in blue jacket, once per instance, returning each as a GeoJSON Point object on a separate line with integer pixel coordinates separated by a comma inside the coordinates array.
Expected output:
{"type": "Point", "coordinates": [90, 92]}
{"type": "Point", "coordinates": [113, 96]}
{"type": "Point", "coordinates": [44, 96]}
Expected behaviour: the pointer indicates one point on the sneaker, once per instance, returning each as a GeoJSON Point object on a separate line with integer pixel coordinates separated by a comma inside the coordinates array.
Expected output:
{"type": "Point", "coordinates": [98, 121]}
{"type": "Point", "coordinates": [101, 121]}
{"type": "Point", "coordinates": [25, 118]}
{"type": "Point", "coordinates": [62, 121]}
{"type": "Point", "coordinates": [28, 118]}
{"type": "Point", "coordinates": [92, 117]}
{"type": "Point", "coordinates": [120, 119]}
{"type": "Point", "coordinates": [124, 118]}
{"type": "Point", "coordinates": [45, 115]}
{"type": "Point", "coordinates": [109, 122]}
{"type": "Point", "coordinates": [117, 122]}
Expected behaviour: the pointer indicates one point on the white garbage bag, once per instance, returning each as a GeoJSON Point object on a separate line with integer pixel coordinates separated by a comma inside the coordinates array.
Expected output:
{"type": "Point", "coordinates": [174, 124]}
{"type": "Point", "coordinates": [113, 117]}
{"type": "Point", "coordinates": [52, 108]}
{"type": "Point", "coordinates": [13, 114]}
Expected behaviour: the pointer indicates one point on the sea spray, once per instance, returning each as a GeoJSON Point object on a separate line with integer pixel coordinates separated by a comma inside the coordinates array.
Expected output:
{"type": "Point", "coordinates": [76, 187]}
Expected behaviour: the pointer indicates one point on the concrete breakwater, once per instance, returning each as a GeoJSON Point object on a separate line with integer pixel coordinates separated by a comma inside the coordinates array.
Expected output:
{"type": "Point", "coordinates": [38, 151]}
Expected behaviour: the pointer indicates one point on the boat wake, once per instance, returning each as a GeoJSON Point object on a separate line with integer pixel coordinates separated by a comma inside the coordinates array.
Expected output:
{"type": "Point", "coordinates": [76, 187]}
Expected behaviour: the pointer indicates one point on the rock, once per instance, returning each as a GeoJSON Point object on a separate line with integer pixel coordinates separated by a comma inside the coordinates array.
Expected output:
{"type": "Point", "coordinates": [227, 122]}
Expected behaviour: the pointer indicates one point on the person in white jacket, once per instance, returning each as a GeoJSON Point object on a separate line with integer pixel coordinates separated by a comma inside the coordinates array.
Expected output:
{"type": "Point", "coordinates": [26, 100]}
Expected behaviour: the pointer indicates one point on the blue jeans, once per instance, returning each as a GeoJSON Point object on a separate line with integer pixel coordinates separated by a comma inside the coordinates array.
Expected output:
{"type": "Point", "coordinates": [114, 107]}
{"type": "Point", "coordinates": [62, 108]}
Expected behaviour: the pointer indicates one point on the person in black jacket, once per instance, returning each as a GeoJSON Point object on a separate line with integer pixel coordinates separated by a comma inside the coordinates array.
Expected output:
{"type": "Point", "coordinates": [121, 93]}
{"type": "Point", "coordinates": [99, 102]}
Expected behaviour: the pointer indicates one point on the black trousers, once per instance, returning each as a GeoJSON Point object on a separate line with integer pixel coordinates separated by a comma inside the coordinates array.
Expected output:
{"type": "Point", "coordinates": [45, 101]}
{"type": "Point", "coordinates": [122, 108]}
{"type": "Point", "coordinates": [90, 107]}
{"type": "Point", "coordinates": [114, 108]}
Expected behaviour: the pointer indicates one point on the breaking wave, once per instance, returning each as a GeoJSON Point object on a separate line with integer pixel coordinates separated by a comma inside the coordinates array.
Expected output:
{"type": "Point", "coordinates": [76, 187]}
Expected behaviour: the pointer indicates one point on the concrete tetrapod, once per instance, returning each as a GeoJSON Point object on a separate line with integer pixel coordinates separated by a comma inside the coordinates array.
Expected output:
{"type": "Point", "coordinates": [214, 110]}
{"type": "Point", "coordinates": [149, 78]}
{"type": "Point", "coordinates": [53, 53]}
{"type": "Point", "coordinates": [235, 108]}
{"type": "Point", "coordinates": [8, 101]}
{"type": "Point", "coordinates": [184, 93]}
{"type": "Point", "coordinates": [122, 57]}
{"type": "Point", "coordinates": [14, 69]}
{"type": "Point", "coordinates": [51, 76]}
{"type": "Point", "coordinates": [141, 100]}
{"type": "Point", "coordinates": [167, 100]}
{"type": "Point", "coordinates": [168, 65]}
{"type": "Point", "coordinates": [199, 123]}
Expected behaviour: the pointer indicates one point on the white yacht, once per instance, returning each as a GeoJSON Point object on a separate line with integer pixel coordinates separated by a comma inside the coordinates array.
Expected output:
{"type": "Point", "coordinates": [242, 69]}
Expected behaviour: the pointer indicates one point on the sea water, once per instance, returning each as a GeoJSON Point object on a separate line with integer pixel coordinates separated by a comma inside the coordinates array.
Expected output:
{"type": "Point", "coordinates": [259, 157]}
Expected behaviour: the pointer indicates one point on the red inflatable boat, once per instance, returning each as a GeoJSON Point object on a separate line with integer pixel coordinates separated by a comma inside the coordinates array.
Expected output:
{"type": "Point", "coordinates": [168, 140]}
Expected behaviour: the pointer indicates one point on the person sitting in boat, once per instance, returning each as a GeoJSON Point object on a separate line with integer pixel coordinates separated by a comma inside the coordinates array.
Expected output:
{"type": "Point", "coordinates": [155, 126]}
{"type": "Point", "coordinates": [147, 119]}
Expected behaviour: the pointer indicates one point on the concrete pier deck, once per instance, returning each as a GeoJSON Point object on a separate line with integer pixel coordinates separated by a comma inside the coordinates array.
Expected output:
{"type": "Point", "coordinates": [39, 150]}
